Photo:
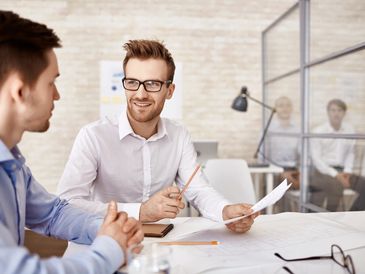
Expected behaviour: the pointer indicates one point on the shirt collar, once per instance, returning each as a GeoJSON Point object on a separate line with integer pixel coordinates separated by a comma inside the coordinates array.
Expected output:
{"type": "Point", "coordinates": [5, 154]}
{"type": "Point", "coordinates": [161, 130]}
{"type": "Point", "coordinates": [331, 129]}
{"type": "Point", "coordinates": [10, 155]}
{"type": "Point", "coordinates": [125, 128]}
{"type": "Point", "coordinates": [124, 125]}
{"type": "Point", "coordinates": [277, 124]}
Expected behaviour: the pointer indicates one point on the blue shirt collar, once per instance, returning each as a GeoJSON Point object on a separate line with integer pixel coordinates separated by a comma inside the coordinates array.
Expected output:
{"type": "Point", "coordinates": [11, 155]}
{"type": "Point", "coordinates": [5, 154]}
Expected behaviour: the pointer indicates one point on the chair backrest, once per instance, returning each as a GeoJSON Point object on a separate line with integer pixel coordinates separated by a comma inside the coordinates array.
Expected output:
{"type": "Point", "coordinates": [231, 178]}
{"type": "Point", "coordinates": [206, 149]}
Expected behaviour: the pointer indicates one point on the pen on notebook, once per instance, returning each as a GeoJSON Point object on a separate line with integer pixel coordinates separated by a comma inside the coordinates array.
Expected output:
{"type": "Point", "coordinates": [190, 243]}
{"type": "Point", "coordinates": [188, 182]}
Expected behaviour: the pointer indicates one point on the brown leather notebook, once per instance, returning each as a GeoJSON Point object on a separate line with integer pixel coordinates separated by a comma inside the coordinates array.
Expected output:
{"type": "Point", "coordinates": [156, 230]}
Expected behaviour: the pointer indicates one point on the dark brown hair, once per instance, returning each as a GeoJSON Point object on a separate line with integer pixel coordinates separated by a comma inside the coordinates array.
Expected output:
{"type": "Point", "coordinates": [23, 47]}
{"type": "Point", "coordinates": [338, 102]}
{"type": "Point", "coordinates": [145, 49]}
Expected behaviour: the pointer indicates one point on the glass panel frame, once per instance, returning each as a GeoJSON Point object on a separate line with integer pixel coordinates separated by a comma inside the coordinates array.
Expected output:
{"type": "Point", "coordinates": [307, 91]}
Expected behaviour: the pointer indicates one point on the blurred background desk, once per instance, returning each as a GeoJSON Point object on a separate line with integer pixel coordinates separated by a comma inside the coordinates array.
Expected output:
{"type": "Point", "coordinates": [268, 173]}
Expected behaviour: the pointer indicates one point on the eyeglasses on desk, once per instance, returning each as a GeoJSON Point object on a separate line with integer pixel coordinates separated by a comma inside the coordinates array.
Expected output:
{"type": "Point", "coordinates": [337, 255]}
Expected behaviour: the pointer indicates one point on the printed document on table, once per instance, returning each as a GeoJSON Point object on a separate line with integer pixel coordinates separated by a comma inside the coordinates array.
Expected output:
{"type": "Point", "coordinates": [268, 200]}
{"type": "Point", "coordinates": [193, 225]}
{"type": "Point", "coordinates": [293, 235]}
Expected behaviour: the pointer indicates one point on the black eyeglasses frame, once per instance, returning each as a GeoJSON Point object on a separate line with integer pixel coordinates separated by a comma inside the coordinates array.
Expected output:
{"type": "Point", "coordinates": [347, 263]}
{"type": "Point", "coordinates": [167, 82]}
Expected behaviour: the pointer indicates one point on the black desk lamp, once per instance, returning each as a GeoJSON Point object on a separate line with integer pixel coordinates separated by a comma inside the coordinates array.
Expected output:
{"type": "Point", "coordinates": [240, 104]}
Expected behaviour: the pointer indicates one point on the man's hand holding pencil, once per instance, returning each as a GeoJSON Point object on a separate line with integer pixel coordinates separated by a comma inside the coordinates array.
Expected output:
{"type": "Point", "coordinates": [166, 203]}
{"type": "Point", "coordinates": [161, 205]}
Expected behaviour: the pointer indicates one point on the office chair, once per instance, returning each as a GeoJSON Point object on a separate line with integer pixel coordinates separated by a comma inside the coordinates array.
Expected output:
{"type": "Point", "coordinates": [231, 178]}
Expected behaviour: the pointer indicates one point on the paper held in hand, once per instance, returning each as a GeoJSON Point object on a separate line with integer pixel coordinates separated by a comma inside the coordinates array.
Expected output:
{"type": "Point", "coordinates": [268, 200]}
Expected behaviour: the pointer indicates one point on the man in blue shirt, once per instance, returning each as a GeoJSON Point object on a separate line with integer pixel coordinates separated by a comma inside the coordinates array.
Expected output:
{"type": "Point", "coordinates": [28, 69]}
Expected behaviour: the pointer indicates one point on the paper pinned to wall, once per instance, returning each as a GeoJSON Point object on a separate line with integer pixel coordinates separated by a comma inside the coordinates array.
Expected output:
{"type": "Point", "coordinates": [111, 89]}
{"type": "Point", "coordinates": [112, 98]}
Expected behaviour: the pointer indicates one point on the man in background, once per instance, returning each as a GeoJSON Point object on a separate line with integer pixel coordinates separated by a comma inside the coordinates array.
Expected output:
{"type": "Point", "coordinates": [135, 159]}
{"type": "Point", "coordinates": [333, 161]}
{"type": "Point", "coordinates": [283, 150]}
{"type": "Point", "coordinates": [28, 70]}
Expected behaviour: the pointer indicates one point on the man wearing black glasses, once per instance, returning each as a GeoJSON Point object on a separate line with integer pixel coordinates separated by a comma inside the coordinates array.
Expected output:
{"type": "Point", "coordinates": [135, 159]}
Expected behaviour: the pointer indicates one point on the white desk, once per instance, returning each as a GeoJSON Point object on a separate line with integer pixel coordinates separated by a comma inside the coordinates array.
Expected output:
{"type": "Point", "coordinates": [269, 179]}
{"type": "Point", "coordinates": [313, 235]}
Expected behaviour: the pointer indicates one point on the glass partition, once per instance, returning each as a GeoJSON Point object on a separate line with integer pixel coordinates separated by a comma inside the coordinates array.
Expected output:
{"type": "Point", "coordinates": [285, 93]}
{"type": "Point", "coordinates": [344, 79]}
{"type": "Point", "coordinates": [325, 83]}
{"type": "Point", "coordinates": [336, 180]}
{"type": "Point", "coordinates": [335, 25]}
{"type": "Point", "coordinates": [282, 51]}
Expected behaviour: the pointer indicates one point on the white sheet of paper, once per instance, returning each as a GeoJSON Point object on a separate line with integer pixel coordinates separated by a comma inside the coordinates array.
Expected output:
{"type": "Point", "coordinates": [293, 235]}
{"type": "Point", "coordinates": [268, 200]}
{"type": "Point", "coordinates": [191, 226]}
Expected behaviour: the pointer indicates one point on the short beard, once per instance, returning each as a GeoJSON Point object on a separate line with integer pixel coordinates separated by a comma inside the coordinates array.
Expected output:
{"type": "Point", "coordinates": [147, 118]}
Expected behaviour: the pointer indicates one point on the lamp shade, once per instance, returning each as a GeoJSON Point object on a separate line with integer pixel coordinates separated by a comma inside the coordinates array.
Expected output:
{"type": "Point", "coordinates": [240, 102]}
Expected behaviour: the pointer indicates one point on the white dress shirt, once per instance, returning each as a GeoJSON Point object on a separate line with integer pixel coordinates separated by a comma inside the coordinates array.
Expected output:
{"type": "Point", "coordinates": [327, 153]}
{"type": "Point", "coordinates": [282, 150]}
{"type": "Point", "coordinates": [109, 161]}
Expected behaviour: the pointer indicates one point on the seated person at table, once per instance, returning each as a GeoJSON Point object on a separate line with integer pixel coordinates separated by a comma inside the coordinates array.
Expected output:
{"type": "Point", "coordinates": [281, 150]}
{"type": "Point", "coordinates": [28, 70]}
{"type": "Point", "coordinates": [135, 159]}
{"type": "Point", "coordinates": [333, 160]}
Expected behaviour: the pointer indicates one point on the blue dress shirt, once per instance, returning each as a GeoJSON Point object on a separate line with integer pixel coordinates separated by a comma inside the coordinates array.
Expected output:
{"type": "Point", "coordinates": [25, 203]}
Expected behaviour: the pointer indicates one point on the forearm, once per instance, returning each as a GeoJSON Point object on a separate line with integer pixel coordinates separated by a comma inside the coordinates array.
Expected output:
{"type": "Point", "coordinates": [104, 256]}
{"type": "Point", "coordinates": [96, 207]}
{"type": "Point", "coordinates": [69, 222]}
{"type": "Point", "coordinates": [199, 193]}
{"type": "Point", "coordinates": [100, 208]}
{"type": "Point", "coordinates": [324, 168]}
{"type": "Point", "coordinates": [349, 162]}
{"type": "Point", "coordinates": [319, 164]}
{"type": "Point", "coordinates": [317, 160]}
{"type": "Point", "coordinates": [208, 201]}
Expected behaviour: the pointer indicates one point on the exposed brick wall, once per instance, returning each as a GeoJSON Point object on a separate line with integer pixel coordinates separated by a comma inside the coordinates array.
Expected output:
{"type": "Point", "coordinates": [218, 43]}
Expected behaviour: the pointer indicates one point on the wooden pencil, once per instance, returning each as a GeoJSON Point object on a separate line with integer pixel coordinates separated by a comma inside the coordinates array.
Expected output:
{"type": "Point", "coordinates": [188, 182]}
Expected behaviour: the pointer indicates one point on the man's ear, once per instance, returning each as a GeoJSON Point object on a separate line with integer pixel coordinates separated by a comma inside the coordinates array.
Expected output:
{"type": "Point", "coordinates": [16, 88]}
{"type": "Point", "coordinates": [170, 91]}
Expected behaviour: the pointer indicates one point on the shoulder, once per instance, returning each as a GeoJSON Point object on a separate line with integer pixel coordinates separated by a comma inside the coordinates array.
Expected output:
{"type": "Point", "coordinates": [275, 125]}
{"type": "Point", "coordinates": [176, 131]}
{"type": "Point", "coordinates": [323, 128]}
{"type": "Point", "coordinates": [99, 128]}
{"type": "Point", "coordinates": [173, 126]}
{"type": "Point", "coordinates": [348, 128]}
